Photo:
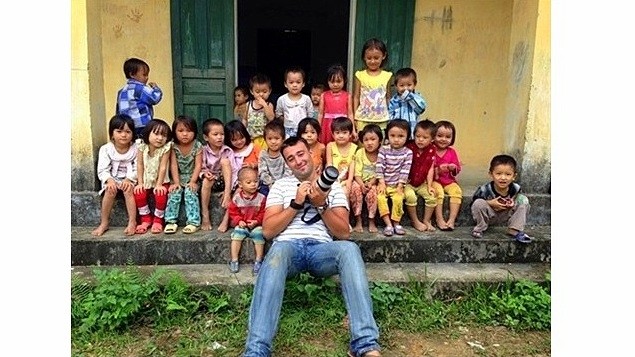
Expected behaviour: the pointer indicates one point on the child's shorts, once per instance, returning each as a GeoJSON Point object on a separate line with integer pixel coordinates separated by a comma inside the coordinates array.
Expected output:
{"type": "Point", "coordinates": [242, 233]}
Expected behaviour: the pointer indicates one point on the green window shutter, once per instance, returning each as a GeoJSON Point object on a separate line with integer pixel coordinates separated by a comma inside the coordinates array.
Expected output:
{"type": "Point", "coordinates": [389, 21]}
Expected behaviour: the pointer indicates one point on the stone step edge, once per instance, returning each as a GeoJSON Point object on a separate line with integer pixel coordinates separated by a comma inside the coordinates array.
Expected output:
{"type": "Point", "coordinates": [443, 275]}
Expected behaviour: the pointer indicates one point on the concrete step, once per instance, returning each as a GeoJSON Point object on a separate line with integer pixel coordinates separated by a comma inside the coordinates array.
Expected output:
{"type": "Point", "coordinates": [85, 210]}
{"type": "Point", "coordinates": [442, 278]}
{"type": "Point", "coordinates": [212, 247]}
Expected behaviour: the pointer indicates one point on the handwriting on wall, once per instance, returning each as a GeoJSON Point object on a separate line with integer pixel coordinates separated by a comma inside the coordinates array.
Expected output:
{"type": "Point", "coordinates": [445, 19]}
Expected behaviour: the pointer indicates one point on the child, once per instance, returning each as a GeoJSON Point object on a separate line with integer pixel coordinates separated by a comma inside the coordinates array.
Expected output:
{"type": "Point", "coordinates": [371, 90]}
{"type": "Point", "coordinates": [241, 96]}
{"type": "Point", "coordinates": [392, 169]}
{"type": "Point", "coordinates": [500, 201]}
{"type": "Point", "coordinates": [316, 94]}
{"type": "Point", "coordinates": [246, 211]}
{"type": "Point", "coordinates": [271, 164]}
{"type": "Point", "coordinates": [245, 152]}
{"type": "Point", "coordinates": [117, 171]}
{"type": "Point", "coordinates": [421, 177]}
{"type": "Point", "coordinates": [186, 161]}
{"type": "Point", "coordinates": [153, 160]}
{"type": "Point", "coordinates": [309, 130]}
{"type": "Point", "coordinates": [216, 171]}
{"type": "Point", "coordinates": [341, 152]}
{"type": "Point", "coordinates": [334, 103]}
{"type": "Point", "coordinates": [365, 182]}
{"type": "Point", "coordinates": [294, 105]}
{"type": "Point", "coordinates": [137, 97]}
{"type": "Point", "coordinates": [406, 103]}
{"type": "Point", "coordinates": [259, 110]}
{"type": "Point", "coordinates": [446, 168]}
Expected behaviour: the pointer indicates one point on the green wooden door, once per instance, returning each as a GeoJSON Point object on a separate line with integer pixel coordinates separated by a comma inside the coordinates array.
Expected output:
{"type": "Point", "coordinates": [203, 58]}
{"type": "Point", "coordinates": [389, 21]}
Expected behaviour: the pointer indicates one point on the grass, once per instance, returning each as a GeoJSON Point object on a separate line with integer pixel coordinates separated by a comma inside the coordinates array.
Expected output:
{"type": "Point", "coordinates": [127, 314]}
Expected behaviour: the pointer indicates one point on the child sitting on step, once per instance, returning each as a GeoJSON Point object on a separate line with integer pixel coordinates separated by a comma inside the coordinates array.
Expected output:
{"type": "Point", "coordinates": [500, 201]}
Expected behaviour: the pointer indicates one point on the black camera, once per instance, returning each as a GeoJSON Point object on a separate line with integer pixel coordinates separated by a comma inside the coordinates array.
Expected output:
{"type": "Point", "coordinates": [328, 176]}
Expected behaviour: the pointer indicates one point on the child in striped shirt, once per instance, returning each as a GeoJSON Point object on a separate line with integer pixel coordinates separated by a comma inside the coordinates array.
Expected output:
{"type": "Point", "coordinates": [392, 169]}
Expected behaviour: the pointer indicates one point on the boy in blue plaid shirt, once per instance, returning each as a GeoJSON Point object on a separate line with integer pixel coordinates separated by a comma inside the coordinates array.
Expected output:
{"type": "Point", "coordinates": [138, 96]}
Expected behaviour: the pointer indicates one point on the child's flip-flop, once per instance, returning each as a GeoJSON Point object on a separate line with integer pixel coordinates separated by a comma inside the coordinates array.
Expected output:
{"type": "Point", "coordinates": [170, 228]}
{"type": "Point", "coordinates": [522, 237]}
{"type": "Point", "coordinates": [190, 228]}
{"type": "Point", "coordinates": [477, 234]}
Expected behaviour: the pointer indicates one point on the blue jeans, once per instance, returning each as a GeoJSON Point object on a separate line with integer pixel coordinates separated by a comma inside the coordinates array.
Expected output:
{"type": "Point", "coordinates": [289, 258]}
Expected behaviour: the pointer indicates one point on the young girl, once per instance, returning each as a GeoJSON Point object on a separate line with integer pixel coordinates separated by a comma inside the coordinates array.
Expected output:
{"type": "Point", "coordinates": [117, 171]}
{"type": "Point", "coordinates": [365, 181]}
{"type": "Point", "coordinates": [421, 178]}
{"type": "Point", "coordinates": [241, 96]}
{"type": "Point", "coordinates": [216, 171]}
{"type": "Point", "coordinates": [186, 160]}
{"type": "Point", "coordinates": [371, 91]}
{"type": "Point", "coordinates": [294, 105]}
{"type": "Point", "coordinates": [245, 152]}
{"type": "Point", "coordinates": [341, 152]}
{"type": "Point", "coordinates": [392, 169]}
{"type": "Point", "coordinates": [309, 130]}
{"type": "Point", "coordinates": [153, 159]}
{"type": "Point", "coordinates": [259, 110]}
{"type": "Point", "coordinates": [334, 103]}
{"type": "Point", "coordinates": [446, 168]}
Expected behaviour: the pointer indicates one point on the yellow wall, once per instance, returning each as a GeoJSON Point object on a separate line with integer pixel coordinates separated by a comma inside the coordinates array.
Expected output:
{"type": "Point", "coordinates": [460, 52]}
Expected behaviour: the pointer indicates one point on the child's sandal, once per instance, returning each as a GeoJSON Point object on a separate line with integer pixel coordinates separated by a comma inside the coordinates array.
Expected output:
{"type": "Point", "coordinates": [477, 234]}
{"type": "Point", "coordinates": [389, 231]}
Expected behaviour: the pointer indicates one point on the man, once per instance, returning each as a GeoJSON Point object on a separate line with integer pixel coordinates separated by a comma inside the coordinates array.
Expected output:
{"type": "Point", "coordinates": [302, 219]}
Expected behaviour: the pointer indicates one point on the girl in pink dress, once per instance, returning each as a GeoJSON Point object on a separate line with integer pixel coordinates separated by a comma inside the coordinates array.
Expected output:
{"type": "Point", "coordinates": [447, 166]}
{"type": "Point", "coordinates": [335, 102]}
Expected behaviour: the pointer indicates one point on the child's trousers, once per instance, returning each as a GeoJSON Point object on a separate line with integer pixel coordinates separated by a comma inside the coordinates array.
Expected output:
{"type": "Point", "coordinates": [192, 206]}
{"type": "Point", "coordinates": [397, 203]}
{"type": "Point", "coordinates": [515, 217]}
{"type": "Point", "coordinates": [357, 200]}
{"type": "Point", "coordinates": [160, 201]}
{"type": "Point", "coordinates": [412, 194]}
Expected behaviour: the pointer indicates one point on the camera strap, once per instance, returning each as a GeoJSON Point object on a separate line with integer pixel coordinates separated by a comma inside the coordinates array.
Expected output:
{"type": "Point", "coordinates": [313, 219]}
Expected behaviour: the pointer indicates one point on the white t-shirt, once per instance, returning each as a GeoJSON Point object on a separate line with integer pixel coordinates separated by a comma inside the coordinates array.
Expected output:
{"type": "Point", "coordinates": [283, 191]}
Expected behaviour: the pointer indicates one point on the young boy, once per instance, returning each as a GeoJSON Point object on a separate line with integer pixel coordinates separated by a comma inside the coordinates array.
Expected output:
{"type": "Point", "coordinates": [316, 94]}
{"type": "Point", "coordinates": [406, 103]}
{"type": "Point", "coordinates": [246, 211]}
{"type": "Point", "coordinates": [500, 201]}
{"type": "Point", "coordinates": [271, 164]}
{"type": "Point", "coordinates": [421, 178]}
{"type": "Point", "coordinates": [294, 105]}
{"type": "Point", "coordinates": [137, 97]}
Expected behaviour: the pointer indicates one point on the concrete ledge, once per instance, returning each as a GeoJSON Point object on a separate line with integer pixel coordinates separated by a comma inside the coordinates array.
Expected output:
{"type": "Point", "coordinates": [443, 278]}
{"type": "Point", "coordinates": [212, 247]}
{"type": "Point", "coordinates": [86, 205]}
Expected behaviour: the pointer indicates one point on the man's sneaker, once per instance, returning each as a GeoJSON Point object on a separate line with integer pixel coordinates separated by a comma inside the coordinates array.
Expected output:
{"type": "Point", "coordinates": [257, 266]}
{"type": "Point", "coordinates": [233, 266]}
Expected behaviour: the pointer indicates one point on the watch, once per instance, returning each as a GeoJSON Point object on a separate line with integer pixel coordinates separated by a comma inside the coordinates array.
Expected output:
{"type": "Point", "coordinates": [293, 204]}
{"type": "Point", "coordinates": [322, 208]}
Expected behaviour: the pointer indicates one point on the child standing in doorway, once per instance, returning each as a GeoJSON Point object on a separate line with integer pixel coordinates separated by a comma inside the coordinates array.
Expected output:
{"type": "Point", "coordinates": [216, 171]}
{"type": "Point", "coordinates": [117, 171]}
{"type": "Point", "coordinates": [406, 103]}
{"type": "Point", "coordinates": [335, 102]}
{"type": "Point", "coordinates": [309, 130]}
{"type": "Point", "coordinates": [246, 211]}
{"type": "Point", "coordinates": [241, 97]}
{"type": "Point", "coordinates": [138, 96]}
{"type": "Point", "coordinates": [341, 152]}
{"type": "Point", "coordinates": [392, 169]}
{"type": "Point", "coordinates": [316, 94]}
{"type": "Point", "coordinates": [293, 106]}
{"type": "Point", "coordinates": [259, 110]}
{"type": "Point", "coordinates": [447, 166]}
{"type": "Point", "coordinates": [153, 160]}
{"type": "Point", "coordinates": [421, 177]}
{"type": "Point", "coordinates": [371, 89]}
{"type": "Point", "coordinates": [500, 201]}
{"type": "Point", "coordinates": [365, 182]}
{"type": "Point", "coordinates": [186, 161]}
{"type": "Point", "coordinates": [271, 164]}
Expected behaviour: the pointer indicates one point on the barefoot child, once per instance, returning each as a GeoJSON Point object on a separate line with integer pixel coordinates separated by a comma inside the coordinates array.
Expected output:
{"type": "Point", "coordinates": [216, 171]}
{"type": "Point", "coordinates": [186, 160]}
{"type": "Point", "coordinates": [153, 160]}
{"type": "Point", "coordinates": [117, 171]}
{"type": "Point", "coordinates": [246, 211]}
{"type": "Point", "coordinates": [500, 201]}
{"type": "Point", "coordinates": [365, 182]}
{"type": "Point", "coordinates": [447, 166]}
{"type": "Point", "coordinates": [421, 177]}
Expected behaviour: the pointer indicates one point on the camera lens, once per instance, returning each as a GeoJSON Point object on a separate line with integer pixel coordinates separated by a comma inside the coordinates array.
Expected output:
{"type": "Point", "coordinates": [328, 176]}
